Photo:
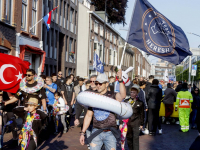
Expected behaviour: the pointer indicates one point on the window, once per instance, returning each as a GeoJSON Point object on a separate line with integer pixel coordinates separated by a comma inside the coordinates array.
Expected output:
{"type": "Point", "coordinates": [8, 11]}
{"type": "Point", "coordinates": [100, 52]}
{"type": "Point", "coordinates": [101, 30]}
{"type": "Point", "coordinates": [64, 10]}
{"type": "Point", "coordinates": [110, 37]}
{"type": "Point", "coordinates": [110, 56]}
{"type": "Point", "coordinates": [24, 7]}
{"type": "Point", "coordinates": [96, 27]}
{"type": "Point", "coordinates": [71, 15]}
{"type": "Point", "coordinates": [70, 50]}
{"type": "Point", "coordinates": [34, 14]}
{"type": "Point", "coordinates": [114, 58]}
{"type": "Point", "coordinates": [52, 37]}
{"type": "Point", "coordinates": [114, 39]}
{"type": "Point", "coordinates": [95, 46]}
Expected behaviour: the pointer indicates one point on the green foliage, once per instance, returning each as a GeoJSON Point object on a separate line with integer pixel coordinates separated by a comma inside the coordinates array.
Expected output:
{"type": "Point", "coordinates": [116, 9]}
{"type": "Point", "coordinates": [178, 70]}
{"type": "Point", "coordinates": [186, 74]}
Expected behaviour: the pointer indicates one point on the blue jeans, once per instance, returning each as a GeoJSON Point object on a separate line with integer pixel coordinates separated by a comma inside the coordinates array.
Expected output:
{"type": "Point", "coordinates": [194, 114]}
{"type": "Point", "coordinates": [106, 138]}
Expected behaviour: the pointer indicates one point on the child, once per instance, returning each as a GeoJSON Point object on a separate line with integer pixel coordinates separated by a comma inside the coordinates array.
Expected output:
{"type": "Point", "coordinates": [59, 108]}
{"type": "Point", "coordinates": [31, 125]}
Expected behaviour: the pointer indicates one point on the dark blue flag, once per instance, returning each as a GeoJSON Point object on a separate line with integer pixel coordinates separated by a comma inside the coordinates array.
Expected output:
{"type": "Point", "coordinates": [98, 66]}
{"type": "Point", "coordinates": [153, 33]}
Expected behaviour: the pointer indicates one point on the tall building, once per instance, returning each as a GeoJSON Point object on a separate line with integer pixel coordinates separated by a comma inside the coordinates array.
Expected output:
{"type": "Point", "coordinates": [60, 42]}
{"type": "Point", "coordinates": [91, 39]}
{"type": "Point", "coordinates": [16, 35]}
{"type": "Point", "coordinates": [160, 68]}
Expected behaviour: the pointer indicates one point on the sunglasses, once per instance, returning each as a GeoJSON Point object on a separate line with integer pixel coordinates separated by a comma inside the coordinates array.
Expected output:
{"type": "Point", "coordinates": [28, 75]}
{"type": "Point", "coordinates": [92, 81]}
{"type": "Point", "coordinates": [59, 74]}
{"type": "Point", "coordinates": [97, 83]}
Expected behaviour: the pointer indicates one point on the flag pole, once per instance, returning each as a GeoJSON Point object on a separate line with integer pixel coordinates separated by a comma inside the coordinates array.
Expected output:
{"type": "Point", "coordinates": [122, 56]}
{"type": "Point", "coordinates": [41, 20]}
{"type": "Point", "coordinates": [35, 24]}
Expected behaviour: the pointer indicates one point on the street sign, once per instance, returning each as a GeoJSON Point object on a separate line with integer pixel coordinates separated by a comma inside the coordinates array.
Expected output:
{"type": "Point", "coordinates": [194, 70]}
{"type": "Point", "coordinates": [194, 67]}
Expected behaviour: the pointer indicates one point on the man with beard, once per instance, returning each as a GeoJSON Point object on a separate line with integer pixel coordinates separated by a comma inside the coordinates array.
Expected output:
{"type": "Point", "coordinates": [103, 121]}
{"type": "Point", "coordinates": [31, 88]}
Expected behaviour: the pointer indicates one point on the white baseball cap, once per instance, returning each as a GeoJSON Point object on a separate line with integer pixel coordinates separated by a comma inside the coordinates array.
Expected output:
{"type": "Point", "coordinates": [102, 78]}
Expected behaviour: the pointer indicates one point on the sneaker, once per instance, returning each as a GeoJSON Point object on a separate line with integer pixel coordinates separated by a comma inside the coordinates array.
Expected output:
{"type": "Point", "coordinates": [88, 146]}
{"type": "Point", "coordinates": [177, 122]}
{"type": "Point", "coordinates": [163, 119]}
{"type": "Point", "coordinates": [65, 131]}
{"type": "Point", "coordinates": [146, 131]}
{"type": "Point", "coordinates": [160, 131]}
{"type": "Point", "coordinates": [152, 133]}
{"type": "Point", "coordinates": [167, 122]}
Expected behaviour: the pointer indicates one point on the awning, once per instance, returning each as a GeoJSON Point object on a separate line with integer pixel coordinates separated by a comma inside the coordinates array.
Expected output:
{"type": "Point", "coordinates": [33, 50]}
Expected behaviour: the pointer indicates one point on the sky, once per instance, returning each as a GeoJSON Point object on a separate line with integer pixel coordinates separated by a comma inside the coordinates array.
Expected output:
{"type": "Point", "coordinates": [183, 13]}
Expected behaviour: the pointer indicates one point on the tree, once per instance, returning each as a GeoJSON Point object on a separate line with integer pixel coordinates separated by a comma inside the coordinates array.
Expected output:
{"type": "Point", "coordinates": [178, 70]}
{"type": "Point", "coordinates": [116, 10]}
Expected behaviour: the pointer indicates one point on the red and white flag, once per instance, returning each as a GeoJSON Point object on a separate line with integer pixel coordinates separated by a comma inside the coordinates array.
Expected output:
{"type": "Point", "coordinates": [12, 71]}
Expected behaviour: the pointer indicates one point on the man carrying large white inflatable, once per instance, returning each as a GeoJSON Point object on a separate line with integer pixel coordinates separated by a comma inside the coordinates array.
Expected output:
{"type": "Point", "coordinates": [104, 121]}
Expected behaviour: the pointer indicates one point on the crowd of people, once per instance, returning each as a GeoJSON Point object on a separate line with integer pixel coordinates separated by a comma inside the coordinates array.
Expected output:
{"type": "Point", "coordinates": [43, 106]}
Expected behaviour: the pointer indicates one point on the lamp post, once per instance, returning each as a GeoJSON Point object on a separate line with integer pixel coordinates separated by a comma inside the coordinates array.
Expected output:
{"type": "Point", "coordinates": [104, 34]}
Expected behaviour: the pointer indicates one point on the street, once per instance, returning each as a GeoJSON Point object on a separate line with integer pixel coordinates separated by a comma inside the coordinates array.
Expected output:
{"type": "Point", "coordinates": [171, 139]}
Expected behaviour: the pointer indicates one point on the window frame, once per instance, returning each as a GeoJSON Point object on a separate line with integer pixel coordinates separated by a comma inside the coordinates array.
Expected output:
{"type": "Point", "coordinates": [24, 27]}
{"type": "Point", "coordinates": [34, 11]}
{"type": "Point", "coordinates": [10, 12]}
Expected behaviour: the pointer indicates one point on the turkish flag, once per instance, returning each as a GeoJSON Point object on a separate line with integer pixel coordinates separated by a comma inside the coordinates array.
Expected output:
{"type": "Point", "coordinates": [12, 71]}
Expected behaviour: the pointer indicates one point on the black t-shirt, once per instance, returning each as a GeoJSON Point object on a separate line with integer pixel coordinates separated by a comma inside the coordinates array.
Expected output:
{"type": "Point", "coordinates": [60, 82]}
{"type": "Point", "coordinates": [25, 96]}
{"type": "Point", "coordinates": [68, 92]}
{"type": "Point", "coordinates": [9, 107]}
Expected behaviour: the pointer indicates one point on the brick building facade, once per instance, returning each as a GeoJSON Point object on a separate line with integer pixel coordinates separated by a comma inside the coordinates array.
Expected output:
{"type": "Point", "coordinates": [60, 42]}
{"type": "Point", "coordinates": [97, 44]}
{"type": "Point", "coordinates": [142, 64]}
{"type": "Point", "coordinates": [16, 38]}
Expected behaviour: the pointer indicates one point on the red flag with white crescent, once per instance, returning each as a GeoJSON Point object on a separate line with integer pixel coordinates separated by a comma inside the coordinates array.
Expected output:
{"type": "Point", "coordinates": [12, 71]}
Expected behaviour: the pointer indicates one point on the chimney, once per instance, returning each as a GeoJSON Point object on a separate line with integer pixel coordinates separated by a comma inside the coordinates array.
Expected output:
{"type": "Point", "coordinates": [92, 7]}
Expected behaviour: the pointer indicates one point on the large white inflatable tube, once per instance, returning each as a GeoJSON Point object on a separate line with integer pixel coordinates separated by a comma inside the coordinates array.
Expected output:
{"type": "Point", "coordinates": [102, 102]}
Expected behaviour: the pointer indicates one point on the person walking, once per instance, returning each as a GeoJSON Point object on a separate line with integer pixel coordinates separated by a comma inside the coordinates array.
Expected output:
{"type": "Point", "coordinates": [136, 121]}
{"type": "Point", "coordinates": [154, 98]}
{"type": "Point", "coordinates": [68, 95]}
{"type": "Point", "coordinates": [104, 122]}
{"type": "Point", "coordinates": [195, 106]}
{"type": "Point", "coordinates": [179, 87]}
{"type": "Point", "coordinates": [183, 100]}
{"type": "Point", "coordinates": [146, 90]}
{"type": "Point", "coordinates": [170, 96]}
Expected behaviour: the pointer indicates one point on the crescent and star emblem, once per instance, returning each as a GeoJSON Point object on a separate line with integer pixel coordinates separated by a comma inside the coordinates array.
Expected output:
{"type": "Point", "coordinates": [3, 68]}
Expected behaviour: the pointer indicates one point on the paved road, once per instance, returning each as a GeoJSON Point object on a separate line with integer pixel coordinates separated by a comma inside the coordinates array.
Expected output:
{"type": "Point", "coordinates": [171, 139]}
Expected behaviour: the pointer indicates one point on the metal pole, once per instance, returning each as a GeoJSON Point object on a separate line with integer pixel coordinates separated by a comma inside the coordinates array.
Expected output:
{"type": "Point", "coordinates": [122, 55]}
{"type": "Point", "coordinates": [104, 34]}
{"type": "Point", "coordinates": [190, 63]}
